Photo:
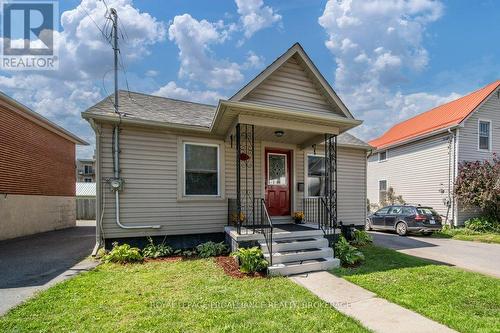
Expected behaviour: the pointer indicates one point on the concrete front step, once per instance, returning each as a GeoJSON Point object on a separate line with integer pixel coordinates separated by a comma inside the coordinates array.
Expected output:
{"type": "Point", "coordinates": [313, 233]}
{"type": "Point", "coordinates": [295, 244]}
{"type": "Point", "coordinates": [300, 255]}
{"type": "Point", "coordinates": [291, 268]}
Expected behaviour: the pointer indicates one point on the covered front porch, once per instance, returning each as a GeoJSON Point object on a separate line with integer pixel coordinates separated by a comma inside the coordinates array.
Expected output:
{"type": "Point", "coordinates": [283, 163]}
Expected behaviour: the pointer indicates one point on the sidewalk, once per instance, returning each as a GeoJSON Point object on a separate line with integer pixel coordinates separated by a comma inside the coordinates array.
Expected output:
{"type": "Point", "coordinates": [375, 313]}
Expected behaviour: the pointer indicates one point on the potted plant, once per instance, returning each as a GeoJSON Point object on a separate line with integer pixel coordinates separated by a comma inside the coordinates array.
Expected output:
{"type": "Point", "coordinates": [298, 217]}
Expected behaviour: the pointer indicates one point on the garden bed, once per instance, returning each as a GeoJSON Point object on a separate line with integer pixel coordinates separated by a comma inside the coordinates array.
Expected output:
{"type": "Point", "coordinates": [231, 268]}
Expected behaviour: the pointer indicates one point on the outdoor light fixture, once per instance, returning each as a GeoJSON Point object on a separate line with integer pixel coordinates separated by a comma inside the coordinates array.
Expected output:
{"type": "Point", "coordinates": [279, 133]}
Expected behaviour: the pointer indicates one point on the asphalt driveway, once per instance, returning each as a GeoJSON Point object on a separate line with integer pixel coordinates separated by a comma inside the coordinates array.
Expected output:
{"type": "Point", "coordinates": [33, 263]}
{"type": "Point", "coordinates": [472, 256]}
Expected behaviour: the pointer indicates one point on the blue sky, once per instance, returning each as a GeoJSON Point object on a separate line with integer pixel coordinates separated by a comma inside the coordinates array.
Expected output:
{"type": "Point", "coordinates": [388, 60]}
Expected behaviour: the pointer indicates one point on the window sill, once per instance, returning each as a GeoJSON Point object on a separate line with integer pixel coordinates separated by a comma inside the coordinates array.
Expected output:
{"type": "Point", "coordinates": [201, 198]}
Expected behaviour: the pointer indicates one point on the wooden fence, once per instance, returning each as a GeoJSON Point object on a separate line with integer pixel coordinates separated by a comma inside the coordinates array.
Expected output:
{"type": "Point", "coordinates": [85, 209]}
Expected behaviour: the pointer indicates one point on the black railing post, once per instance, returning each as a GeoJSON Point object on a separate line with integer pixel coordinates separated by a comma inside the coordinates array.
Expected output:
{"type": "Point", "coordinates": [238, 178]}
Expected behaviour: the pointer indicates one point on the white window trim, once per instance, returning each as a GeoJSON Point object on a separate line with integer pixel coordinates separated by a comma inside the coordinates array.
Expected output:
{"type": "Point", "coordinates": [286, 169]}
{"type": "Point", "coordinates": [386, 155]}
{"type": "Point", "coordinates": [182, 196]}
{"type": "Point", "coordinates": [306, 187]}
{"type": "Point", "coordinates": [479, 121]}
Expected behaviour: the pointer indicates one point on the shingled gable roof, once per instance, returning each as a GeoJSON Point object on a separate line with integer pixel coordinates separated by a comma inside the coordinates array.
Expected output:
{"type": "Point", "coordinates": [316, 76]}
{"type": "Point", "coordinates": [439, 118]}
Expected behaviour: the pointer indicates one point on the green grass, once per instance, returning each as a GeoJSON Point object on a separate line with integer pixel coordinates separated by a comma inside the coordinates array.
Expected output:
{"type": "Point", "coordinates": [464, 301]}
{"type": "Point", "coordinates": [468, 235]}
{"type": "Point", "coordinates": [185, 296]}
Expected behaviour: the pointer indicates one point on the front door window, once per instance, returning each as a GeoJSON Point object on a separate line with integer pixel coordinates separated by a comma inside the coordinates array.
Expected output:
{"type": "Point", "coordinates": [277, 169]}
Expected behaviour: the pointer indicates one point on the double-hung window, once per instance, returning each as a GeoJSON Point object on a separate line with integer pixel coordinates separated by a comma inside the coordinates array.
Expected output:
{"type": "Point", "coordinates": [315, 176]}
{"type": "Point", "coordinates": [484, 133]}
{"type": "Point", "coordinates": [382, 191]}
{"type": "Point", "coordinates": [382, 156]}
{"type": "Point", "coordinates": [201, 169]}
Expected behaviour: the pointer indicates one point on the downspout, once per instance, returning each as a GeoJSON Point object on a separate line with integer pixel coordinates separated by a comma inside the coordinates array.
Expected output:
{"type": "Point", "coordinates": [451, 177]}
{"type": "Point", "coordinates": [99, 234]}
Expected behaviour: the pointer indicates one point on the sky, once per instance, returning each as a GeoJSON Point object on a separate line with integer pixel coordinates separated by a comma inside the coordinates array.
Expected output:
{"type": "Point", "coordinates": [387, 59]}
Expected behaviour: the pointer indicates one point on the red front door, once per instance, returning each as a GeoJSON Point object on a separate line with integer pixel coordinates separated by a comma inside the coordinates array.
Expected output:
{"type": "Point", "coordinates": [278, 181]}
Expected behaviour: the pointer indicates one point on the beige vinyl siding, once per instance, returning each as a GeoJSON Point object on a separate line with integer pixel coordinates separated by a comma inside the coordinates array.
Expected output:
{"type": "Point", "coordinates": [468, 142]}
{"type": "Point", "coordinates": [291, 87]}
{"type": "Point", "coordinates": [418, 171]}
{"type": "Point", "coordinates": [351, 186]}
{"type": "Point", "coordinates": [468, 134]}
{"type": "Point", "coordinates": [149, 163]}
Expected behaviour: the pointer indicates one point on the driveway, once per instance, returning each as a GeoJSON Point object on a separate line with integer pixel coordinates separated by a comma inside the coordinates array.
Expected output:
{"type": "Point", "coordinates": [36, 262]}
{"type": "Point", "coordinates": [472, 256]}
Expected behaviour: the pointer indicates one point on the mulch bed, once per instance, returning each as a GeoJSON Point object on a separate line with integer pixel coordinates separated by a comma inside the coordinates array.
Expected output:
{"type": "Point", "coordinates": [230, 267]}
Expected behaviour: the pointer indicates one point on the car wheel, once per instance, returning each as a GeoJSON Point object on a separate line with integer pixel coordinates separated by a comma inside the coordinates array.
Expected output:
{"type": "Point", "coordinates": [401, 229]}
{"type": "Point", "coordinates": [368, 225]}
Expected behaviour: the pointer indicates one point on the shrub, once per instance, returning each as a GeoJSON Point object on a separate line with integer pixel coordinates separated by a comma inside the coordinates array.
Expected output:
{"type": "Point", "coordinates": [123, 254]}
{"type": "Point", "coordinates": [482, 224]}
{"type": "Point", "coordinates": [478, 185]}
{"type": "Point", "coordinates": [251, 260]}
{"type": "Point", "coordinates": [156, 251]}
{"type": "Point", "coordinates": [211, 249]}
{"type": "Point", "coordinates": [361, 238]}
{"type": "Point", "coordinates": [348, 254]}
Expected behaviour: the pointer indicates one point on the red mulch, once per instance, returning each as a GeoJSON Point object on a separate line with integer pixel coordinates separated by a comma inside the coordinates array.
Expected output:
{"type": "Point", "coordinates": [230, 267]}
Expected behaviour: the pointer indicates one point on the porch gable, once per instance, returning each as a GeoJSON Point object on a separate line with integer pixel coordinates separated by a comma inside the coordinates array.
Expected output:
{"type": "Point", "coordinates": [292, 81]}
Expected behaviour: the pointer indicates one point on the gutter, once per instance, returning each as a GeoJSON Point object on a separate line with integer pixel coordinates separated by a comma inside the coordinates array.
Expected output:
{"type": "Point", "coordinates": [416, 138]}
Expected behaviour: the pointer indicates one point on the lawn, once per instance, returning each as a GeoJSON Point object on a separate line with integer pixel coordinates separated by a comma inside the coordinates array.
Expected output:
{"type": "Point", "coordinates": [464, 301]}
{"type": "Point", "coordinates": [469, 235]}
{"type": "Point", "coordinates": [184, 296]}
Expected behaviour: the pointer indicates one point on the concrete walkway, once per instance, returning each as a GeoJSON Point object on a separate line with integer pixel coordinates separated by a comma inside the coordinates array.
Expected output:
{"type": "Point", "coordinates": [375, 313]}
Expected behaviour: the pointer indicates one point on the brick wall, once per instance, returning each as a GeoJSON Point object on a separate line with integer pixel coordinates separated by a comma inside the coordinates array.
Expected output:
{"type": "Point", "coordinates": [34, 160]}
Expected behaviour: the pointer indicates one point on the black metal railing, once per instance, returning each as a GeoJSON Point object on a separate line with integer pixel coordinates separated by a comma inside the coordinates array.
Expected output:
{"type": "Point", "coordinates": [317, 211]}
{"type": "Point", "coordinates": [267, 229]}
{"type": "Point", "coordinates": [248, 218]}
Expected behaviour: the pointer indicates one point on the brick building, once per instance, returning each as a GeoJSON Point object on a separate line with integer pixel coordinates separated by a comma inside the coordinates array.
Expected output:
{"type": "Point", "coordinates": [37, 172]}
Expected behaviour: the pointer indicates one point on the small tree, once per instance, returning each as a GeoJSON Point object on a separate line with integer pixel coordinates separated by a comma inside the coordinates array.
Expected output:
{"type": "Point", "coordinates": [478, 185]}
{"type": "Point", "coordinates": [391, 198]}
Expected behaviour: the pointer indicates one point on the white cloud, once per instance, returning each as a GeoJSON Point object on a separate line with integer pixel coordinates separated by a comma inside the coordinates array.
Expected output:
{"type": "Point", "coordinates": [254, 16]}
{"type": "Point", "coordinates": [376, 45]}
{"type": "Point", "coordinates": [84, 57]}
{"type": "Point", "coordinates": [253, 61]}
{"type": "Point", "coordinates": [172, 90]}
{"type": "Point", "coordinates": [198, 62]}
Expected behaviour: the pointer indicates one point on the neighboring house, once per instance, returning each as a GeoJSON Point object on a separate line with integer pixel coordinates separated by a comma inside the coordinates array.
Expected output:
{"type": "Point", "coordinates": [187, 170]}
{"type": "Point", "coordinates": [419, 157]}
{"type": "Point", "coordinates": [37, 172]}
{"type": "Point", "coordinates": [85, 201]}
{"type": "Point", "coordinates": [85, 170]}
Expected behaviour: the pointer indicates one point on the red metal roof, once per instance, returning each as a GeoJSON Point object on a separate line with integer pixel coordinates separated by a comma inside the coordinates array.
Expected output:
{"type": "Point", "coordinates": [441, 117]}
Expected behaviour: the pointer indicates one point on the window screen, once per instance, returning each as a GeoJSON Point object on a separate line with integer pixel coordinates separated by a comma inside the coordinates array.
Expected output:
{"type": "Point", "coordinates": [484, 135]}
{"type": "Point", "coordinates": [201, 169]}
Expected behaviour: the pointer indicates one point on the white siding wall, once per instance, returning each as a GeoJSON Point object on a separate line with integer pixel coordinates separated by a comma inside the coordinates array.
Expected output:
{"type": "Point", "coordinates": [468, 137]}
{"type": "Point", "coordinates": [468, 141]}
{"type": "Point", "coordinates": [418, 171]}
{"type": "Point", "coordinates": [149, 166]}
